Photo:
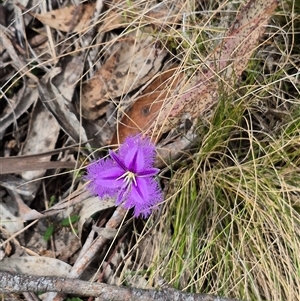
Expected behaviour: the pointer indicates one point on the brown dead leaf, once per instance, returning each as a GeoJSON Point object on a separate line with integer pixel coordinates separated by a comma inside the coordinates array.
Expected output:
{"type": "Point", "coordinates": [146, 107]}
{"type": "Point", "coordinates": [135, 59]}
{"type": "Point", "coordinates": [68, 19]}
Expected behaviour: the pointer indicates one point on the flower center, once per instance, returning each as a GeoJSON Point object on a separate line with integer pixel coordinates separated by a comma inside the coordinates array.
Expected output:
{"type": "Point", "coordinates": [128, 178]}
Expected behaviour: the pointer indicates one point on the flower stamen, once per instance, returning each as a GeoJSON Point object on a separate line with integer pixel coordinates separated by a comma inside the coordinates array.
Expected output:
{"type": "Point", "coordinates": [128, 177]}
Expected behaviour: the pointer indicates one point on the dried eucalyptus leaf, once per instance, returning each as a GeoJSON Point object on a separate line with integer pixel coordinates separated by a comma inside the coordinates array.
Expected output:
{"type": "Point", "coordinates": [42, 137]}
{"type": "Point", "coordinates": [37, 266]}
{"type": "Point", "coordinates": [9, 217]}
{"type": "Point", "coordinates": [14, 183]}
{"type": "Point", "coordinates": [92, 206]}
{"type": "Point", "coordinates": [21, 103]}
{"type": "Point", "coordinates": [147, 106]}
{"type": "Point", "coordinates": [25, 212]}
{"type": "Point", "coordinates": [135, 59]}
{"type": "Point", "coordinates": [68, 19]}
{"type": "Point", "coordinates": [17, 61]}
{"type": "Point", "coordinates": [56, 92]}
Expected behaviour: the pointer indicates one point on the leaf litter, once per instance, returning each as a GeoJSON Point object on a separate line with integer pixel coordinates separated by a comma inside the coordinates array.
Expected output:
{"type": "Point", "coordinates": [136, 83]}
{"type": "Point", "coordinates": [134, 60]}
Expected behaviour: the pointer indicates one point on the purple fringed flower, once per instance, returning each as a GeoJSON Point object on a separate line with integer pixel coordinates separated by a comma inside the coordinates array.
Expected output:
{"type": "Point", "coordinates": [129, 176]}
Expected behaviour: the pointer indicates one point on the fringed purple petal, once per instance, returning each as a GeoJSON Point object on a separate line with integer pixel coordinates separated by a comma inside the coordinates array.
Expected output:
{"type": "Point", "coordinates": [144, 197]}
{"type": "Point", "coordinates": [103, 175]}
{"type": "Point", "coordinates": [146, 150]}
{"type": "Point", "coordinates": [148, 172]}
{"type": "Point", "coordinates": [118, 160]}
{"type": "Point", "coordinates": [122, 195]}
{"type": "Point", "coordinates": [134, 160]}
{"type": "Point", "coordinates": [139, 192]}
{"type": "Point", "coordinates": [110, 178]}
{"type": "Point", "coordinates": [95, 168]}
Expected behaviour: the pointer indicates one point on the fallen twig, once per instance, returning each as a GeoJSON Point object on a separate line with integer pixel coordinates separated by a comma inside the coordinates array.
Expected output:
{"type": "Point", "coordinates": [19, 283]}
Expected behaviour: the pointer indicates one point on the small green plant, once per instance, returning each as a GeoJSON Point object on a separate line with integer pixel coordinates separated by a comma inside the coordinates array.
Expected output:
{"type": "Point", "coordinates": [48, 233]}
{"type": "Point", "coordinates": [52, 201]}
{"type": "Point", "coordinates": [70, 220]}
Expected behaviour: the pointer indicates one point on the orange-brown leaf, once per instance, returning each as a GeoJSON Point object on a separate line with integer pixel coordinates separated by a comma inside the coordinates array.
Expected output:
{"type": "Point", "coordinates": [146, 108]}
